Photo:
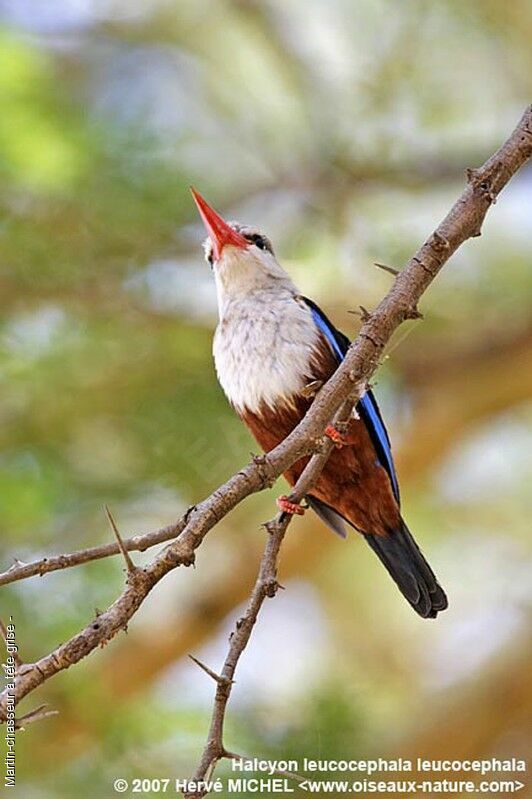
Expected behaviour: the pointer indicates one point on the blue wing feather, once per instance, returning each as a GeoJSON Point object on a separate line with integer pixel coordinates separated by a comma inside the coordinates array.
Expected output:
{"type": "Point", "coordinates": [367, 406]}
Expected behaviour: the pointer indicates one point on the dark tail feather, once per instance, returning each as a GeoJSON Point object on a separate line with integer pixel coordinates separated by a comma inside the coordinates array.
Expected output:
{"type": "Point", "coordinates": [327, 515]}
{"type": "Point", "coordinates": [404, 561]}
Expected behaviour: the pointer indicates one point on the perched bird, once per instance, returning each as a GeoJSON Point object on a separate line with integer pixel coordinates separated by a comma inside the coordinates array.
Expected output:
{"type": "Point", "coordinates": [272, 349]}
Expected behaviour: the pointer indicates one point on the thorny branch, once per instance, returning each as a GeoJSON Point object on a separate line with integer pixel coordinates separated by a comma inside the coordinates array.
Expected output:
{"type": "Point", "coordinates": [266, 586]}
{"type": "Point", "coordinates": [139, 543]}
{"type": "Point", "coordinates": [463, 221]}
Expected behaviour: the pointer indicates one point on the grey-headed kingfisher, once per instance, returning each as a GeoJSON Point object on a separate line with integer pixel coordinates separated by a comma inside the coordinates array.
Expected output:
{"type": "Point", "coordinates": [270, 345]}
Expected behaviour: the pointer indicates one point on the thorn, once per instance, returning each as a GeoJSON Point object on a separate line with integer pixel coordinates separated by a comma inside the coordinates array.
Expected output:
{"type": "Point", "coordinates": [216, 677]}
{"type": "Point", "coordinates": [15, 655]}
{"type": "Point", "coordinates": [34, 715]}
{"type": "Point", "coordinates": [311, 389]}
{"type": "Point", "coordinates": [127, 557]}
{"type": "Point", "coordinates": [386, 268]}
{"type": "Point", "coordinates": [363, 313]}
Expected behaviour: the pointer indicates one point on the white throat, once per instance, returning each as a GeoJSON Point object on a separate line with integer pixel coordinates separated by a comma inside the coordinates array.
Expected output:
{"type": "Point", "coordinates": [266, 338]}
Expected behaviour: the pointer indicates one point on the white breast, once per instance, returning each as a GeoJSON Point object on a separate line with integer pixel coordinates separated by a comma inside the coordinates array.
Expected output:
{"type": "Point", "coordinates": [263, 347]}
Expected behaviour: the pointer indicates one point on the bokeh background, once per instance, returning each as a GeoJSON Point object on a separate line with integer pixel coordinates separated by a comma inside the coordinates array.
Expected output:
{"type": "Point", "coordinates": [343, 130]}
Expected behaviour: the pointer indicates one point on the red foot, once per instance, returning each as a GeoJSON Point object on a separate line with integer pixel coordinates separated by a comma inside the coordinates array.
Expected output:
{"type": "Point", "coordinates": [285, 506]}
{"type": "Point", "coordinates": [335, 435]}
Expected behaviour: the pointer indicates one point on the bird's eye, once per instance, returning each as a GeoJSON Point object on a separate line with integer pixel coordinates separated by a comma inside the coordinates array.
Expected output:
{"type": "Point", "coordinates": [210, 257]}
{"type": "Point", "coordinates": [259, 241]}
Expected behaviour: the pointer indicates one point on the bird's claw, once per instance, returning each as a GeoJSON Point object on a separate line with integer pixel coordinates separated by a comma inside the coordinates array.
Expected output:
{"type": "Point", "coordinates": [286, 506]}
{"type": "Point", "coordinates": [335, 436]}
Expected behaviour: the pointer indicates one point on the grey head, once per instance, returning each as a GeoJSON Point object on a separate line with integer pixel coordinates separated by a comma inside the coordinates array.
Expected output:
{"type": "Point", "coordinates": [242, 259]}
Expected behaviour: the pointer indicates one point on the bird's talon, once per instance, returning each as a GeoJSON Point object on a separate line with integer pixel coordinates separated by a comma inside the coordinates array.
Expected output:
{"type": "Point", "coordinates": [335, 436]}
{"type": "Point", "coordinates": [285, 506]}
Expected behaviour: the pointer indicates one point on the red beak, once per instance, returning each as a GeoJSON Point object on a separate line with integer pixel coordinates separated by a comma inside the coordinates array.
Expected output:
{"type": "Point", "coordinates": [220, 233]}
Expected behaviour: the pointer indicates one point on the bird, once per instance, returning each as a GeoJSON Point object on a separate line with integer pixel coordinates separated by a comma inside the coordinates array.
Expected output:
{"type": "Point", "coordinates": [273, 349]}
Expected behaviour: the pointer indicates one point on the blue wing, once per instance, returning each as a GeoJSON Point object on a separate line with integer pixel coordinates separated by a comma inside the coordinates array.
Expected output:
{"type": "Point", "coordinates": [367, 407]}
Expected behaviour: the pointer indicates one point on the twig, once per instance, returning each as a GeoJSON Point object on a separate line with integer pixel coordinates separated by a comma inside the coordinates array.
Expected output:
{"type": "Point", "coordinates": [39, 713]}
{"type": "Point", "coordinates": [139, 543]}
{"type": "Point", "coordinates": [463, 221]}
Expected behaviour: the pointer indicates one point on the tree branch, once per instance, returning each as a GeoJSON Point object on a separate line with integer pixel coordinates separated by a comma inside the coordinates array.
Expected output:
{"type": "Point", "coordinates": [266, 586]}
{"type": "Point", "coordinates": [463, 221]}
{"type": "Point", "coordinates": [139, 543]}
{"type": "Point", "coordinates": [41, 712]}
